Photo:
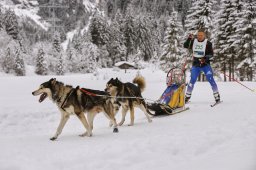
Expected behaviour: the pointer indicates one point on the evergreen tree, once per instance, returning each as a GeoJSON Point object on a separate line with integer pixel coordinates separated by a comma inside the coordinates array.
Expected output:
{"type": "Point", "coordinates": [19, 65]}
{"type": "Point", "coordinates": [87, 35]}
{"type": "Point", "coordinates": [8, 61]}
{"type": "Point", "coordinates": [172, 47]}
{"type": "Point", "coordinates": [71, 58]}
{"type": "Point", "coordinates": [89, 58]}
{"type": "Point", "coordinates": [56, 43]}
{"type": "Point", "coordinates": [161, 27]}
{"type": "Point", "coordinates": [138, 57]}
{"type": "Point", "coordinates": [93, 56]}
{"type": "Point", "coordinates": [129, 34]}
{"type": "Point", "coordinates": [41, 65]}
{"type": "Point", "coordinates": [247, 42]}
{"type": "Point", "coordinates": [1, 18]}
{"type": "Point", "coordinates": [221, 49]}
{"type": "Point", "coordinates": [155, 60]}
{"type": "Point", "coordinates": [200, 16]}
{"type": "Point", "coordinates": [228, 37]}
{"type": "Point", "coordinates": [77, 41]}
{"type": "Point", "coordinates": [115, 46]}
{"type": "Point", "coordinates": [146, 38]}
{"type": "Point", "coordinates": [104, 57]}
{"type": "Point", "coordinates": [99, 30]}
{"type": "Point", "coordinates": [183, 8]}
{"type": "Point", "coordinates": [11, 24]}
{"type": "Point", "coordinates": [60, 66]}
{"type": "Point", "coordinates": [56, 53]}
{"type": "Point", "coordinates": [235, 37]}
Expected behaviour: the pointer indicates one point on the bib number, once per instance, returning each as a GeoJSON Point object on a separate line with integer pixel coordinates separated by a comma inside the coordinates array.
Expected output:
{"type": "Point", "coordinates": [199, 47]}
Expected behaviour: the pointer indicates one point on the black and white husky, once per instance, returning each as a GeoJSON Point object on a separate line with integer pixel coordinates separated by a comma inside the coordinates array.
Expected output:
{"type": "Point", "coordinates": [77, 101]}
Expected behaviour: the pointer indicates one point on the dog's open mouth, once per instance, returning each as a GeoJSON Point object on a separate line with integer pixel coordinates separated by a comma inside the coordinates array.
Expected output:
{"type": "Point", "coordinates": [42, 97]}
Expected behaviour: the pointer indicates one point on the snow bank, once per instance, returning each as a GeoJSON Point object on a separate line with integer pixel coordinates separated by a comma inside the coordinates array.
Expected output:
{"type": "Point", "coordinates": [124, 62]}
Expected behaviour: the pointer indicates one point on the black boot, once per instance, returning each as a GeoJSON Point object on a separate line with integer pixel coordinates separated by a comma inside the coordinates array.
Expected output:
{"type": "Point", "coordinates": [186, 99]}
{"type": "Point", "coordinates": [216, 96]}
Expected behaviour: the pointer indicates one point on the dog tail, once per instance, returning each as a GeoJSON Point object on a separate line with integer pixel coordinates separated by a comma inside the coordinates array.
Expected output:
{"type": "Point", "coordinates": [140, 81]}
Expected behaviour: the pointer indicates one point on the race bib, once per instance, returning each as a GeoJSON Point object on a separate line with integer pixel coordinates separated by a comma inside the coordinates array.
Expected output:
{"type": "Point", "coordinates": [199, 48]}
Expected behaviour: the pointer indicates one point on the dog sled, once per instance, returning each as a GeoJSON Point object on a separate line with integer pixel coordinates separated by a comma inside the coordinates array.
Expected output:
{"type": "Point", "coordinates": [172, 100]}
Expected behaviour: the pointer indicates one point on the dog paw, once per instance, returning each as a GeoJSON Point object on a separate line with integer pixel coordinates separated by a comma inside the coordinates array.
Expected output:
{"type": "Point", "coordinates": [83, 134]}
{"type": "Point", "coordinates": [86, 134]}
{"type": "Point", "coordinates": [53, 138]}
{"type": "Point", "coordinates": [120, 124]}
{"type": "Point", "coordinates": [131, 124]}
{"type": "Point", "coordinates": [115, 130]}
{"type": "Point", "coordinates": [110, 124]}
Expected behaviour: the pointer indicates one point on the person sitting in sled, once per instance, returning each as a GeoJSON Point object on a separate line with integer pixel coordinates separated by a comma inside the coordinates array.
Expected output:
{"type": "Point", "coordinates": [173, 96]}
{"type": "Point", "coordinates": [202, 55]}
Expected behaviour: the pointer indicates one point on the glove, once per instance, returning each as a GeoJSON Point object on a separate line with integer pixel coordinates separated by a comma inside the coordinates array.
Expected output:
{"type": "Point", "coordinates": [191, 36]}
{"type": "Point", "coordinates": [202, 60]}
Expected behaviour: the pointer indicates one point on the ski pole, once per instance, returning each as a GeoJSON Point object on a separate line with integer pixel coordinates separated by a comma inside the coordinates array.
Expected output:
{"type": "Point", "coordinates": [239, 82]}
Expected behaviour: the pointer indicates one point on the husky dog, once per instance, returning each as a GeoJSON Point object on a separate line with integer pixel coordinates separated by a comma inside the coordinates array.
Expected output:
{"type": "Point", "coordinates": [77, 101]}
{"type": "Point", "coordinates": [116, 88]}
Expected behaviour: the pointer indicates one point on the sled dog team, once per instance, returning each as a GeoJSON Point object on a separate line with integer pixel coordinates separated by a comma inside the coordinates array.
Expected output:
{"type": "Point", "coordinates": [80, 101]}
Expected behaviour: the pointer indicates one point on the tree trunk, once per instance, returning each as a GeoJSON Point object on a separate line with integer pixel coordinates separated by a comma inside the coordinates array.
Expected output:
{"type": "Point", "coordinates": [224, 70]}
{"type": "Point", "coordinates": [251, 74]}
{"type": "Point", "coordinates": [241, 78]}
{"type": "Point", "coordinates": [233, 67]}
{"type": "Point", "coordinates": [230, 70]}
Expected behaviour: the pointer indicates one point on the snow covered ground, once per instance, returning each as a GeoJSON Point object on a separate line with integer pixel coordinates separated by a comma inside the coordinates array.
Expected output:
{"type": "Point", "coordinates": [203, 138]}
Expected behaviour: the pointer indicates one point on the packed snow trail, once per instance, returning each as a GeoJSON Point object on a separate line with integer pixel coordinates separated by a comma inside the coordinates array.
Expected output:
{"type": "Point", "coordinates": [202, 138]}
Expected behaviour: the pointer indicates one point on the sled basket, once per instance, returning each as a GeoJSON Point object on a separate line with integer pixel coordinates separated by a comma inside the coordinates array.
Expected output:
{"type": "Point", "coordinates": [174, 95]}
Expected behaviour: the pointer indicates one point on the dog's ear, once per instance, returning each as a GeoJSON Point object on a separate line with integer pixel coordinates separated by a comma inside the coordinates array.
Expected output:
{"type": "Point", "coordinates": [77, 87]}
{"type": "Point", "coordinates": [116, 80]}
{"type": "Point", "coordinates": [53, 81]}
{"type": "Point", "coordinates": [110, 80]}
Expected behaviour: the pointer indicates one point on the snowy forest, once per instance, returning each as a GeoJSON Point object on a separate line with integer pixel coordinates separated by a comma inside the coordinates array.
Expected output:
{"type": "Point", "coordinates": [79, 36]}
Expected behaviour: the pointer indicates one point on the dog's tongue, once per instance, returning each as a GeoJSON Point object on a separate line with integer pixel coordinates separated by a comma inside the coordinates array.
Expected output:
{"type": "Point", "coordinates": [42, 97]}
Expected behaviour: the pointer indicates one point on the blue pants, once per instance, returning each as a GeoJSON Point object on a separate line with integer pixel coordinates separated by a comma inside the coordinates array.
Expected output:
{"type": "Point", "coordinates": [195, 71]}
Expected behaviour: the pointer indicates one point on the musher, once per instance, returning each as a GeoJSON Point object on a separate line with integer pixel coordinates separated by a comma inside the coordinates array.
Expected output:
{"type": "Point", "coordinates": [202, 55]}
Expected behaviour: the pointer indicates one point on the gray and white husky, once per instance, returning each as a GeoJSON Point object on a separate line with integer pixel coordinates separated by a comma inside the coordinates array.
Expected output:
{"type": "Point", "coordinates": [77, 101]}
{"type": "Point", "coordinates": [129, 96]}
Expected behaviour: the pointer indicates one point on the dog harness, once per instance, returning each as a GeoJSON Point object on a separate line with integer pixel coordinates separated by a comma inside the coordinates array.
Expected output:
{"type": "Point", "coordinates": [64, 102]}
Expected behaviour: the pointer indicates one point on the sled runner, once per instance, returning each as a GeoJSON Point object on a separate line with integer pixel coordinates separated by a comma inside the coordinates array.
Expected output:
{"type": "Point", "coordinates": [172, 100]}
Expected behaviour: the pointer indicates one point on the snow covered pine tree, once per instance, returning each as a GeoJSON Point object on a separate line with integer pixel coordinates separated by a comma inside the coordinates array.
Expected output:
{"type": "Point", "coordinates": [172, 48]}
{"type": "Point", "coordinates": [19, 66]}
{"type": "Point", "coordinates": [41, 65]}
